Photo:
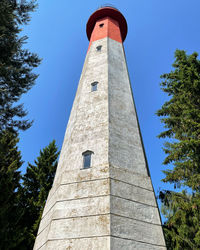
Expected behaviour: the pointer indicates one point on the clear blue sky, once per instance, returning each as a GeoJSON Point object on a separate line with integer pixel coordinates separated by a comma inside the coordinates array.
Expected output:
{"type": "Point", "coordinates": [57, 33]}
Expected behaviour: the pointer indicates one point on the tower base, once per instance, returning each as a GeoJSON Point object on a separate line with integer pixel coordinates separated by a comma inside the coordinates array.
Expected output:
{"type": "Point", "coordinates": [101, 208]}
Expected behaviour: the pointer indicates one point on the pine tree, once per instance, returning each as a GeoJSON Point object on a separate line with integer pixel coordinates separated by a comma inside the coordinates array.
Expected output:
{"type": "Point", "coordinates": [11, 233]}
{"type": "Point", "coordinates": [16, 63]}
{"type": "Point", "coordinates": [36, 185]}
{"type": "Point", "coordinates": [16, 78]}
{"type": "Point", "coordinates": [181, 118]}
{"type": "Point", "coordinates": [182, 213]}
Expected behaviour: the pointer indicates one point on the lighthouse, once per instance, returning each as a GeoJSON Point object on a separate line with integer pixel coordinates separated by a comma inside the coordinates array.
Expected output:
{"type": "Point", "coordinates": [102, 196]}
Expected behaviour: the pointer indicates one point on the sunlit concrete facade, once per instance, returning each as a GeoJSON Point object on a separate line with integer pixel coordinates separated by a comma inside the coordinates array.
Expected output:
{"type": "Point", "coordinates": [110, 205]}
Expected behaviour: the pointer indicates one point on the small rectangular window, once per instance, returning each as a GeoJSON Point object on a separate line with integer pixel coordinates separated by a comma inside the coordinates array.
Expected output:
{"type": "Point", "coordinates": [98, 48]}
{"type": "Point", "coordinates": [94, 86]}
{"type": "Point", "coordinates": [86, 161]}
{"type": "Point", "coordinates": [101, 25]}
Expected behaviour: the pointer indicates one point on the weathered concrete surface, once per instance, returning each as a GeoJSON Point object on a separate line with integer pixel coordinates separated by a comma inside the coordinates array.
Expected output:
{"type": "Point", "coordinates": [132, 193]}
{"type": "Point", "coordinates": [80, 227]}
{"type": "Point", "coordinates": [78, 199]}
{"type": "Point", "coordinates": [112, 204]}
{"type": "Point", "coordinates": [78, 191]}
{"type": "Point", "coordinates": [136, 230]}
{"type": "Point", "coordinates": [87, 128]}
{"type": "Point", "coordinates": [127, 244]}
{"type": "Point", "coordinates": [134, 210]}
{"type": "Point", "coordinates": [72, 176]}
{"type": "Point", "coordinates": [129, 176]}
{"type": "Point", "coordinates": [42, 238]}
{"type": "Point", "coordinates": [102, 243]}
{"type": "Point", "coordinates": [72, 228]}
{"type": "Point", "coordinates": [76, 208]}
{"type": "Point", "coordinates": [125, 148]}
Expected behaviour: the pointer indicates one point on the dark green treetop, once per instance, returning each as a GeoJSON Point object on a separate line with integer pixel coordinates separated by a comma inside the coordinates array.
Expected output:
{"type": "Point", "coordinates": [11, 233]}
{"type": "Point", "coordinates": [37, 182]}
{"type": "Point", "coordinates": [16, 63]}
{"type": "Point", "coordinates": [182, 213]}
{"type": "Point", "coordinates": [181, 118]}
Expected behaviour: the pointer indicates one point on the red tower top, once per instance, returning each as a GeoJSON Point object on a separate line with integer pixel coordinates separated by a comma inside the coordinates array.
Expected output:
{"type": "Point", "coordinates": [114, 23]}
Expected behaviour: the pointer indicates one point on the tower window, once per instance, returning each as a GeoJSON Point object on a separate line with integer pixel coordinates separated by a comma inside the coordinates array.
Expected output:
{"type": "Point", "coordinates": [98, 48]}
{"type": "Point", "coordinates": [94, 86]}
{"type": "Point", "coordinates": [101, 25]}
{"type": "Point", "coordinates": [87, 159]}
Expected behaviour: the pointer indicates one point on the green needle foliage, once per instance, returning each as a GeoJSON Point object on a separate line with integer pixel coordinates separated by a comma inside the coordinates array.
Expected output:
{"type": "Point", "coordinates": [37, 182]}
{"type": "Point", "coordinates": [16, 63]}
{"type": "Point", "coordinates": [11, 233]}
{"type": "Point", "coordinates": [16, 78]}
{"type": "Point", "coordinates": [182, 213]}
{"type": "Point", "coordinates": [181, 118]}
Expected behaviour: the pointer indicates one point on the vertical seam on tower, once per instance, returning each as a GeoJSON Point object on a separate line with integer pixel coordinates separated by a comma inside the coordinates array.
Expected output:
{"type": "Point", "coordinates": [108, 98]}
{"type": "Point", "coordinates": [109, 139]}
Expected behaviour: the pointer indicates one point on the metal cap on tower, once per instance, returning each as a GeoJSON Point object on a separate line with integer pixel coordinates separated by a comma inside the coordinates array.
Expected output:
{"type": "Point", "coordinates": [107, 11]}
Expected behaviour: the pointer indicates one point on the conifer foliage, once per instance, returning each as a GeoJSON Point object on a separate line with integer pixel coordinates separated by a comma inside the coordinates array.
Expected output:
{"type": "Point", "coordinates": [37, 182]}
{"type": "Point", "coordinates": [10, 210]}
{"type": "Point", "coordinates": [181, 118]}
{"type": "Point", "coordinates": [21, 198]}
{"type": "Point", "coordinates": [16, 63]}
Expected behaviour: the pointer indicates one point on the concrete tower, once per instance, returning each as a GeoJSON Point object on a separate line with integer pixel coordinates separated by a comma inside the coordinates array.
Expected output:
{"type": "Point", "coordinates": [102, 196]}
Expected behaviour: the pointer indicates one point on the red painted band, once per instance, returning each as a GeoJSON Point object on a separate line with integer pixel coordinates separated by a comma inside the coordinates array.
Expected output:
{"type": "Point", "coordinates": [107, 12]}
{"type": "Point", "coordinates": [106, 27]}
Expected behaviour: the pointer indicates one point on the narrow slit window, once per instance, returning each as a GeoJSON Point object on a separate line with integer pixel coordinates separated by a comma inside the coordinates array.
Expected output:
{"type": "Point", "coordinates": [101, 25]}
{"type": "Point", "coordinates": [98, 48]}
{"type": "Point", "coordinates": [87, 159]}
{"type": "Point", "coordinates": [94, 86]}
